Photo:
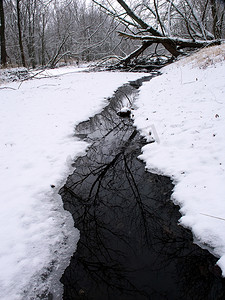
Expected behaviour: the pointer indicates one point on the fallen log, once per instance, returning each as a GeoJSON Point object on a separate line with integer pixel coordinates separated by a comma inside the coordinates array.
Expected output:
{"type": "Point", "coordinates": [182, 43]}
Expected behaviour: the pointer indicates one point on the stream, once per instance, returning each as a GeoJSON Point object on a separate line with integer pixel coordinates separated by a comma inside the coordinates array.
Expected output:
{"type": "Point", "coordinates": [131, 246]}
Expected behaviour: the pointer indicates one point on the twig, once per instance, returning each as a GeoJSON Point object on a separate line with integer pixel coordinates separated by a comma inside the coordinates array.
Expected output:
{"type": "Point", "coordinates": [213, 217]}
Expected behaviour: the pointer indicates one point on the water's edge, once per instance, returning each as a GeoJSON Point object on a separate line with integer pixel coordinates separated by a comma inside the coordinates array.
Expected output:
{"type": "Point", "coordinates": [131, 246]}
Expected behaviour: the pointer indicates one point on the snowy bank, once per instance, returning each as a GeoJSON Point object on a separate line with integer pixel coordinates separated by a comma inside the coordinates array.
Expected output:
{"type": "Point", "coordinates": [36, 150]}
{"type": "Point", "coordinates": [183, 110]}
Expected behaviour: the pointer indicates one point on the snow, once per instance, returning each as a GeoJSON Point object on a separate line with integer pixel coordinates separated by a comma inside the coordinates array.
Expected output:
{"type": "Point", "coordinates": [124, 112]}
{"type": "Point", "coordinates": [59, 71]}
{"type": "Point", "coordinates": [183, 111]}
{"type": "Point", "coordinates": [13, 74]}
{"type": "Point", "coordinates": [125, 109]}
{"type": "Point", "coordinates": [37, 146]}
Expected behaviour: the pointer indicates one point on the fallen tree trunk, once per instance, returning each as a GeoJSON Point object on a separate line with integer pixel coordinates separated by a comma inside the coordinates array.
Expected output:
{"type": "Point", "coordinates": [182, 43]}
{"type": "Point", "coordinates": [167, 44]}
{"type": "Point", "coordinates": [161, 33]}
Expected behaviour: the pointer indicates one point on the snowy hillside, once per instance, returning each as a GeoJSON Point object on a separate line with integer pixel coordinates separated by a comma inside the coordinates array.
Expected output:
{"type": "Point", "coordinates": [183, 110]}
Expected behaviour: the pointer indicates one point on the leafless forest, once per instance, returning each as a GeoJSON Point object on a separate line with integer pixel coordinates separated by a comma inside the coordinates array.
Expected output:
{"type": "Point", "coordinates": [44, 33]}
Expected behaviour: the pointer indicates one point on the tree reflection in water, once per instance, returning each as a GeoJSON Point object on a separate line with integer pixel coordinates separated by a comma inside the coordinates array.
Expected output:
{"type": "Point", "coordinates": [130, 244]}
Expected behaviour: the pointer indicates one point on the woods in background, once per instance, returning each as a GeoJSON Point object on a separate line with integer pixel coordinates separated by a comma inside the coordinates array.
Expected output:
{"type": "Point", "coordinates": [45, 32]}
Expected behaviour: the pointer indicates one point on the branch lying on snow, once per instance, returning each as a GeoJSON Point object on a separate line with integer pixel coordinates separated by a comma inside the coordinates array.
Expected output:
{"type": "Point", "coordinates": [182, 43]}
{"type": "Point", "coordinates": [212, 216]}
{"type": "Point", "coordinates": [6, 87]}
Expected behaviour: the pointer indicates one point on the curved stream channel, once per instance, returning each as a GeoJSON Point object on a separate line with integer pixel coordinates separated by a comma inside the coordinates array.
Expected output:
{"type": "Point", "coordinates": [130, 246]}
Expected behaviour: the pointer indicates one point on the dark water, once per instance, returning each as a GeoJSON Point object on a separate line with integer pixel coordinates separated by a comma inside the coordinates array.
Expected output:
{"type": "Point", "coordinates": [130, 244]}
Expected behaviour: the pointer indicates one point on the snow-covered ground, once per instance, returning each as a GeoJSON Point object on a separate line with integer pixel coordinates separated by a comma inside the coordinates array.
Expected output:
{"type": "Point", "coordinates": [184, 110]}
{"type": "Point", "coordinates": [37, 146]}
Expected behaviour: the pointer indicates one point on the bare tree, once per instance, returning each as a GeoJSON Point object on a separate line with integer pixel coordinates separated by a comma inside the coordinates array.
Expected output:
{"type": "Point", "coordinates": [2, 35]}
{"type": "Point", "coordinates": [20, 33]}
{"type": "Point", "coordinates": [48, 32]}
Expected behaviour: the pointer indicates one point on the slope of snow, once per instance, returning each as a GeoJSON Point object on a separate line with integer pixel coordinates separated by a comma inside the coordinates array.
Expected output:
{"type": "Point", "coordinates": [183, 110]}
{"type": "Point", "coordinates": [36, 150]}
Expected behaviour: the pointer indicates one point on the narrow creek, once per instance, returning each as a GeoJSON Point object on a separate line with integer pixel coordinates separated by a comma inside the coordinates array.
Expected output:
{"type": "Point", "coordinates": [131, 246]}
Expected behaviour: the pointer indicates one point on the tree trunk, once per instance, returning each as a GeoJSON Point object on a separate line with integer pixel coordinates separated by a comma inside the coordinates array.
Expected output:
{"type": "Point", "coordinates": [181, 43]}
{"type": "Point", "coordinates": [31, 9]}
{"type": "Point", "coordinates": [2, 35]}
{"type": "Point", "coordinates": [215, 19]}
{"type": "Point", "coordinates": [43, 41]}
{"type": "Point", "coordinates": [20, 34]}
{"type": "Point", "coordinates": [136, 53]}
